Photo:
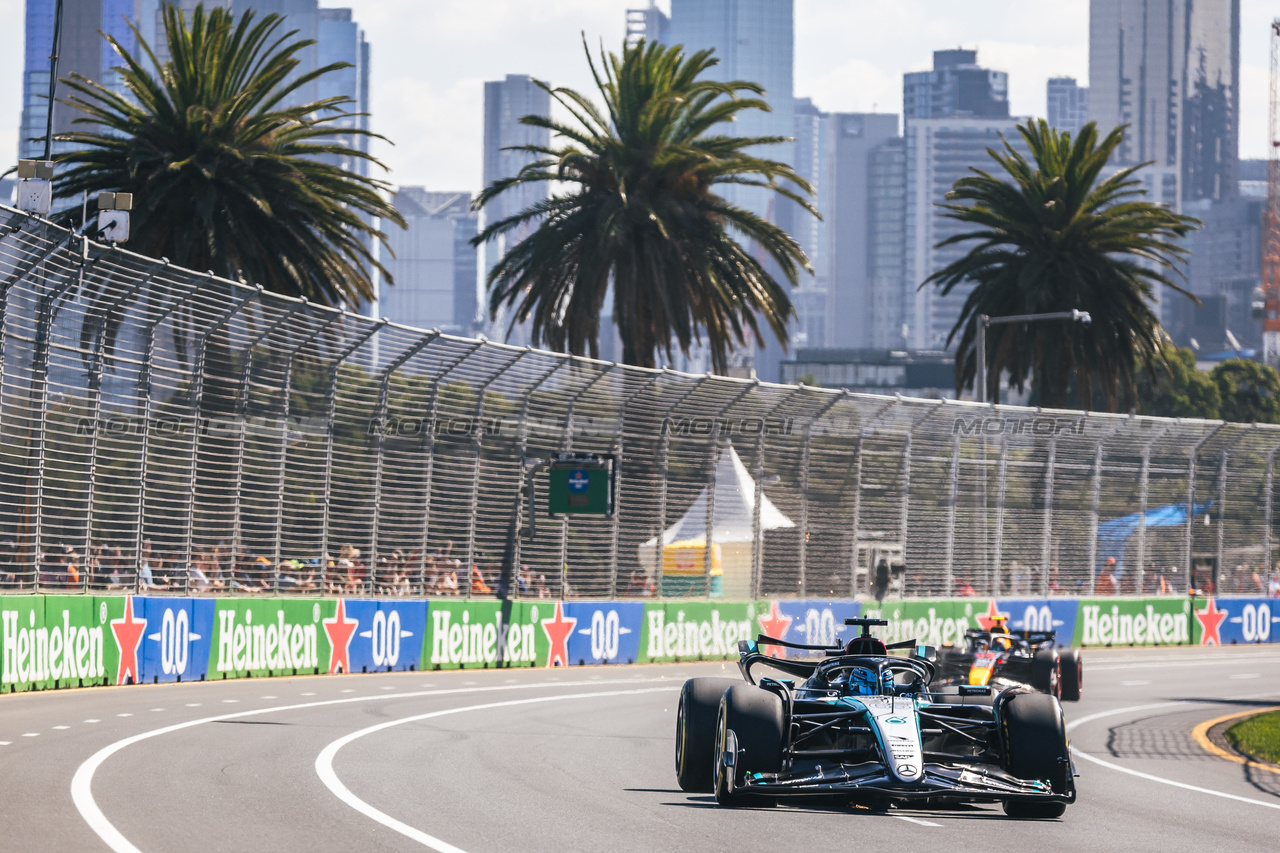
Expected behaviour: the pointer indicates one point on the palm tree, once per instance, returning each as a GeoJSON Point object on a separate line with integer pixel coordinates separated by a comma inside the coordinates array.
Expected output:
{"type": "Point", "coordinates": [639, 209]}
{"type": "Point", "coordinates": [1054, 235]}
{"type": "Point", "coordinates": [226, 176]}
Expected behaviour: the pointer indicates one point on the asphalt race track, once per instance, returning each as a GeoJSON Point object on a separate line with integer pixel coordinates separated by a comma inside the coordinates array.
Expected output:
{"type": "Point", "coordinates": [577, 759]}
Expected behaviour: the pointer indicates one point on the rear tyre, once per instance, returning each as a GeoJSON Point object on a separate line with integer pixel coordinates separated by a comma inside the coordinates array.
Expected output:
{"type": "Point", "coordinates": [696, 732]}
{"type": "Point", "coordinates": [755, 718]}
{"type": "Point", "coordinates": [1072, 675]}
{"type": "Point", "coordinates": [1044, 672]}
{"type": "Point", "coordinates": [1035, 747]}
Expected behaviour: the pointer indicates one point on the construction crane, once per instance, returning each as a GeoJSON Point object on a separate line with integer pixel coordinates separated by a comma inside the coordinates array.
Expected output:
{"type": "Point", "coordinates": [1271, 219]}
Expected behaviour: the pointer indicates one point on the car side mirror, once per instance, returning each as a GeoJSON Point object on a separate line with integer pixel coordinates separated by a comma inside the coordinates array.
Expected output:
{"type": "Point", "coordinates": [929, 653]}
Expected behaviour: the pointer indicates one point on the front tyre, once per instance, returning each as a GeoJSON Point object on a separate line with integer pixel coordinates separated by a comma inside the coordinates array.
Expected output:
{"type": "Point", "coordinates": [1045, 672]}
{"type": "Point", "coordinates": [1035, 748]}
{"type": "Point", "coordinates": [696, 732]}
{"type": "Point", "coordinates": [750, 726]}
{"type": "Point", "coordinates": [1072, 671]}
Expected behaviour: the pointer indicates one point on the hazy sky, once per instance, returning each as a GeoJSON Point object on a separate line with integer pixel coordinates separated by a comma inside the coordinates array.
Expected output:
{"type": "Point", "coordinates": [431, 58]}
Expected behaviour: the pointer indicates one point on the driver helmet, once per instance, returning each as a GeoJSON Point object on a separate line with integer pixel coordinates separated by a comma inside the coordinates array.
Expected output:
{"type": "Point", "coordinates": [862, 682]}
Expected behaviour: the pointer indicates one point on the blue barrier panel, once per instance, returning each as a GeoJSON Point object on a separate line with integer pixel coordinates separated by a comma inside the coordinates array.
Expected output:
{"type": "Point", "coordinates": [1035, 614]}
{"type": "Point", "coordinates": [814, 622]}
{"type": "Point", "coordinates": [388, 634]}
{"type": "Point", "coordinates": [203, 616]}
{"type": "Point", "coordinates": [603, 631]}
{"type": "Point", "coordinates": [1238, 620]}
{"type": "Point", "coordinates": [358, 654]}
{"type": "Point", "coordinates": [406, 623]}
{"type": "Point", "coordinates": [166, 640]}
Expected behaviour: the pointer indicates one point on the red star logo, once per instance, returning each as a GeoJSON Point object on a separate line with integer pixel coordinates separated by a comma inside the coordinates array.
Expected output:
{"type": "Point", "coordinates": [558, 628]}
{"type": "Point", "coordinates": [128, 632]}
{"type": "Point", "coordinates": [1210, 623]}
{"type": "Point", "coordinates": [988, 620]}
{"type": "Point", "coordinates": [340, 632]}
{"type": "Point", "coordinates": [775, 624]}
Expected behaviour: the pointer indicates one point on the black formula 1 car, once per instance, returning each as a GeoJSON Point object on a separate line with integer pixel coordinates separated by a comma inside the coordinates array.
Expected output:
{"type": "Point", "coordinates": [1002, 659]}
{"type": "Point", "coordinates": [868, 727]}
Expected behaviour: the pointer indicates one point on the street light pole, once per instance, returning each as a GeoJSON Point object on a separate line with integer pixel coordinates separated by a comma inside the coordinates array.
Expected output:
{"type": "Point", "coordinates": [985, 320]}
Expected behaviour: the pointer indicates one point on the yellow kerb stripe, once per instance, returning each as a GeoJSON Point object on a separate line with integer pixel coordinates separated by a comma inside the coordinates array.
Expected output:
{"type": "Point", "coordinates": [1201, 734]}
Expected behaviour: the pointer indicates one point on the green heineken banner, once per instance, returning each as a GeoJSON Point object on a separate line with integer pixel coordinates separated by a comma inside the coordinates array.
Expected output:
{"type": "Point", "coordinates": [1141, 622]}
{"type": "Point", "coordinates": [697, 630]}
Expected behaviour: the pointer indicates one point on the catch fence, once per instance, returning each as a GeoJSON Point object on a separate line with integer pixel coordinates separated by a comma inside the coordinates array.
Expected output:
{"type": "Point", "coordinates": [166, 429]}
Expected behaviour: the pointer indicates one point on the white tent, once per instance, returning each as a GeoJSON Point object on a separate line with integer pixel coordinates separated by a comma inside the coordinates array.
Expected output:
{"type": "Point", "coordinates": [732, 523]}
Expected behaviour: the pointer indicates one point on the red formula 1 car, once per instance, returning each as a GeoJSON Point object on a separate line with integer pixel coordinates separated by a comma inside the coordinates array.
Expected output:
{"type": "Point", "coordinates": [1000, 659]}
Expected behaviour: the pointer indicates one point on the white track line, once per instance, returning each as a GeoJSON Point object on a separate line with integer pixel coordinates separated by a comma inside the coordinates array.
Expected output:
{"type": "Point", "coordinates": [324, 761]}
{"type": "Point", "coordinates": [1149, 777]}
{"type": "Point", "coordinates": [915, 820]}
{"type": "Point", "coordinates": [82, 782]}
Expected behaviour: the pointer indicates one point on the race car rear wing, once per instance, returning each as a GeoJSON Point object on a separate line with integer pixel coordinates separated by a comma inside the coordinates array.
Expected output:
{"type": "Point", "coordinates": [1032, 637]}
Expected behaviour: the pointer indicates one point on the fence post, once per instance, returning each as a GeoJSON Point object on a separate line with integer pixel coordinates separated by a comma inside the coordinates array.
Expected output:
{"type": "Point", "coordinates": [953, 487]}
{"type": "Point", "coordinates": [522, 452]}
{"type": "Point", "coordinates": [1096, 492]}
{"type": "Point", "coordinates": [40, 380]}
{"type": "Point", "coordinates": [331, 412]}
{"type": "Point", "coordinates": [242, 411]}
{"type": "Point", "coordinates": [1046, 543]}
{"type": "Point", "coordinates": [144, 395]}
{"type": "Point", "coordinates": [566, 445]}
{"type": "Point", "coordinates": [757, 534]}
{"type": "Point", "coordinates": [904, 518]}
{"type": "Point", "coordinates": [1002, 480]}
{"type": "Point", "coordinates": [380, 424]}
{"type": "Point", "coordinates": [1143, 481]}
{"type": "Point", "coordinates": [95, 386]}
{"type": "Point", "coordinates": [477, 432]}
{"type": "Point", "coordinates": [863, 432]}
{"type": "Point", "coordinates": [618, 448]}
{"type": "Point", "coordinates": [805, 461]}
{"type": "Point", "coordinates": [1267, 497]}
{"type": "Point", "coordinates": [857, 513]}
{"type": "Point", "coordinates": [286, 406]}
{"type": "Point", "coordinates": [429, 469]}
{"type": "Point", "coordinates": [709, 533]}
{"type": "Point", "coordinates": [1191, 497]}
{"type": "Point", "coordinates": [664, 453]}
{"type": "Point", "coordinates": [197, 399]}
{"type": "Point", "coordinates": [1222, 511]}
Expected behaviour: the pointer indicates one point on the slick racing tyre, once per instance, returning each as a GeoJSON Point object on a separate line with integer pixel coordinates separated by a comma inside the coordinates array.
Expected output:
{"type": "Point", "coordinates": [755, 718]}
{"type": "Point", "coordinates": [1071, 675]}
{"type": "Point", "coordinates": [1044, 672]}
{"type": "Point", "coordinates": [696, 732]}
{"type": "Point", "coordinates": [1035, 747]}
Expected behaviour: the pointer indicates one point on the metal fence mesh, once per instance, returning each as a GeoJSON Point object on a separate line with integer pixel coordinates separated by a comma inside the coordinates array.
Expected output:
{"type": "Point", "coordinates": [163, 429]}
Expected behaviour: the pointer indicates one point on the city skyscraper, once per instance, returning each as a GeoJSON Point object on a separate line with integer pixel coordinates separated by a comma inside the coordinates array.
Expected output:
{"type": "Point", "coordinates": [434, 265]}
{"type": "Point", "coordinates": [856, 137]}
{"type": "Point", "coordinates": [83, 51]}
{"type": "Point", "coordinates": [1170, 70]}
{"type": "Point", "coordinates": [754, 40]}
{"type": "Point", "coordinates": [1068, 104]}
{"type": "Point", "coordinates": [938, 153]}
{"type": "Point", "coordinates": [956, 88]}
{"type": "Point", "coordinates": [342, 40]}
{"type": "Point", "coordinates": [651, 24]}
{"type": "Point", "coordinates": [814, 149]}
{"type": "Point", "coordinates": [505, 103]}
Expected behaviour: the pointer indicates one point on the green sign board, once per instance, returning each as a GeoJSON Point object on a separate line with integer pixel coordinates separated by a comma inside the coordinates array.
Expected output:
{"type": "Point", "coordinates": [580, 488]}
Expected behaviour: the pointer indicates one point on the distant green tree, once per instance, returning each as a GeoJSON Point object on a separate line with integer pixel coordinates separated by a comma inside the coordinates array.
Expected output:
{"type": "Point", "coordinates": [1056, 232]}
{"type": "Point", "coordinates": [638, 213]}
{"type": "Point", "coordinates": [1178, 389]}
{"type": "Point", "coordinates": [225, 176]}
{"type": "Point", "coordinates": [1250, 391]}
